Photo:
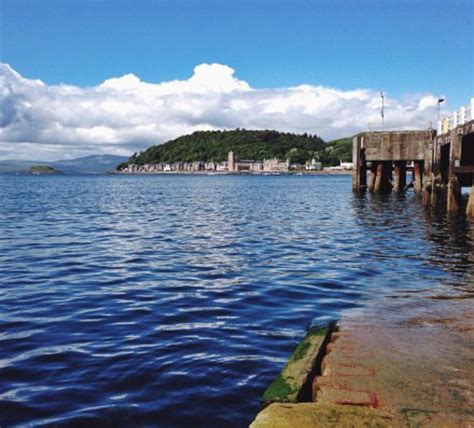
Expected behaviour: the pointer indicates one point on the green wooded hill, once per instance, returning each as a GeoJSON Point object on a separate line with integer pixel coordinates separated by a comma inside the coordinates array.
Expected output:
{"type": "Point", "coordinates": [339, 150]}
{"type": "Point", "coordinates": [258, 145]}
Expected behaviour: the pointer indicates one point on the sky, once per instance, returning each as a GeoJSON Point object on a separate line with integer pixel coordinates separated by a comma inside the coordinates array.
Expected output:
{"type": "Point", "coordinates": [86, 77]}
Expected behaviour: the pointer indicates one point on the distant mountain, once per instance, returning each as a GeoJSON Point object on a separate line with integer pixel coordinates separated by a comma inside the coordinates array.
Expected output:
{"type": "Point", "coordinates": [17, 166]}
{"type": "Point", "coordinates": [93, 164]}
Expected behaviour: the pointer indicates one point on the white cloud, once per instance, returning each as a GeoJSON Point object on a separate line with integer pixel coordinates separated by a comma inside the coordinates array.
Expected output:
{"type": "Point", "coordinates": [427, 102]}
{"type": "Point", "coordinates": [125, 114]}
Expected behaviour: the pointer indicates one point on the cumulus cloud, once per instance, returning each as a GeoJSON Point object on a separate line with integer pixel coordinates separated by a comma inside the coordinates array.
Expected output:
{"type": "Point", "coordinates": [125, 114]}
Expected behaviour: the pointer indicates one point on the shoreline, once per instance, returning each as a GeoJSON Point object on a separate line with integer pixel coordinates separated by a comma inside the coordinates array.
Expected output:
{"type": "Point", "coordinates": [211, 173]}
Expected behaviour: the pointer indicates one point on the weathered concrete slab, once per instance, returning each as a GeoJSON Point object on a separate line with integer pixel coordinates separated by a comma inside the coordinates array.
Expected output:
{"type": "Point", "coordinates": [415, 368]}
{"type": "Point", "coordinates": [396, 146]}
{"type": "Point", "coordinates": [310, 415]}
{"type": "Point", "coordinates": [288, 385]}
{"type": "Point", "coordinates": [342, 383]}
{"type": "Point", "coordinates": [433, 419]}
{"type": "Point", "coordinates": [338, 394]}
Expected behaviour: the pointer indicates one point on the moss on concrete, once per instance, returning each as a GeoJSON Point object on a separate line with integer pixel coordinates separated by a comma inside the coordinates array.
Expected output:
{"type": "Point", "coordinates": [305, 345]}
{"type": "Point", "coordinates": [300, 351]}
{"type": "Point", "coordinates": [319, 332]}
{"type": "Point", "coordinates": [287, 385]}
{"type": "Point", "coordinates": [279, 389]}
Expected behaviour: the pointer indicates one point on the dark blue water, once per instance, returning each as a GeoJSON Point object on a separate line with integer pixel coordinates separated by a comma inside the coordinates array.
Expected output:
{"type": "Point", "coordinates": [173, 301]}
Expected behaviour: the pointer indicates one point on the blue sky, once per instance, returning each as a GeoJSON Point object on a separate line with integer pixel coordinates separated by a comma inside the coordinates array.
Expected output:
{"type": "Point", "coordinates": [409, 49]}
{"type": "Point", "coordinates": [399, 46]}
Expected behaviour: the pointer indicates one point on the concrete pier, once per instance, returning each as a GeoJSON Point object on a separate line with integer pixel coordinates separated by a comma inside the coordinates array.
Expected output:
{"type": "Point", "coordinates": [453, 163]}
{"type": "Point", "coordinates": [441, 163]}
{"type": "Point", "coordinates": [386, 154]}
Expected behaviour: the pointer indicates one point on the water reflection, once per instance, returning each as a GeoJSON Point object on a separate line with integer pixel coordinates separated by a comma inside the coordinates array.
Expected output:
{"type": "Point", "coordinates": [391, 224]}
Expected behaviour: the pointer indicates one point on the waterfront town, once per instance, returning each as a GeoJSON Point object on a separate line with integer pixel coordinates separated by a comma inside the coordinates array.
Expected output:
{"type": "Point", "coordinates": [235, 165]}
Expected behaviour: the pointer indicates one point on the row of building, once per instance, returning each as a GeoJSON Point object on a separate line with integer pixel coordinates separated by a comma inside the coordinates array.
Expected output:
{"type": "Point", "coordinates": [233, 164]}
{"type": "Point", "coordinates": [177, 167]}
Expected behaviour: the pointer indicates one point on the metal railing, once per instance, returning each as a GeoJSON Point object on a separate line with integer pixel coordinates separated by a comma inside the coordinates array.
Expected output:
{"type": "Point", "coordinates": [464, 115]}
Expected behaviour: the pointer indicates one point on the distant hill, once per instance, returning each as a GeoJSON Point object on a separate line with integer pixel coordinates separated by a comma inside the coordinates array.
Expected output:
{"type": "Point", "coordinates": [93, 164]}
{"type": "Point", "coordinates": [43, 170]}
{"type": "Point", "coordinates": [17, 166]}
{"type": "Point", "coordinates": [215, 146]}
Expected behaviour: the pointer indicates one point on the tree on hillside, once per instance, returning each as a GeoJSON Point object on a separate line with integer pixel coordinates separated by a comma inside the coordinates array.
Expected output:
{"type": "Point", "coordinates": [258, 145]}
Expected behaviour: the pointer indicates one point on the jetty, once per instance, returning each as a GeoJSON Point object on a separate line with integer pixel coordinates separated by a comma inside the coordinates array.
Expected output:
{"type": "Point", "coordinates": [441, 161]}
{"type": "Point", "coordinates": [379, 369]}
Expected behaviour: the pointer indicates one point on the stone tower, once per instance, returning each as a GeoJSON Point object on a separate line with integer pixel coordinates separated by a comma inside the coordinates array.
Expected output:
{"type": "Point", "coordinates": [231, 161]}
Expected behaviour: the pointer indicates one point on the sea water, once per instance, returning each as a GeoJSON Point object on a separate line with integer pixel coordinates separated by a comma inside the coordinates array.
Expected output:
{"type": "Point", "coordinates": [174, 300]}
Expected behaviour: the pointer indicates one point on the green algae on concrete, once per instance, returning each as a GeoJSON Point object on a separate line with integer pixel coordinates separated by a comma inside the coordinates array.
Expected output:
{"type": "Point", "coordinates": [287, 385]}
{"type": "Point", "coordinates": [311, 415]}
{"type": "Point", "coordinates": [279, 390]}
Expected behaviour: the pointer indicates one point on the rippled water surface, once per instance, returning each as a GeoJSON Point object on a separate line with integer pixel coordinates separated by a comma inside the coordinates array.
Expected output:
{"type": "Point", "coordinates": [173, 301]}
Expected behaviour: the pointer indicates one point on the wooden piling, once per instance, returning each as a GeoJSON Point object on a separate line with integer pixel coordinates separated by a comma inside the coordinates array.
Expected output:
{"type": "Point", "coordinates": [399, 176]}
{"type": "Point", "coordinates": [359, 172]}
{"type": "Point", "coordinates": [427, 189]}
{"type": "Point", "coordinates": [454, 195]}
{"type": "Point", "coordinates": [387, 177]}
{"type": "Point", "coordinates": [373, 173]}
{"type": "Point", "coordinates": [403, 175]}
{"type": "Point", "coordinates": [383, 176]}
{"type": "Point", "coordinates": [435, 184]}
{"type": "Point", "coordinates": [454, 187]}
{"type": "Point", "coordinates": [363, 174]}
{"type": "Point", "coordinates": [417, 176]}
{"type": "Point", "coordinates": [378, 177]}
{"type": "Point", "coordinates": [470, 202]}
{"type": "Point", "coordinates": [396, 177]}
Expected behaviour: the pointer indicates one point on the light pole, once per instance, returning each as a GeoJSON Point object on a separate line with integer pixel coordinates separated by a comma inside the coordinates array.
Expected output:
{"type": "Point", "coordinates": [434, 151]}
{"type": "Point", "coordinates": [382, 111]}
{"type": "Point", "coordinates": [440, 100]}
